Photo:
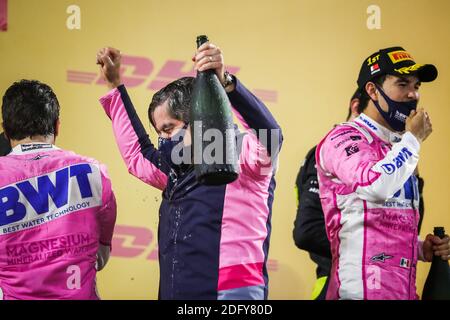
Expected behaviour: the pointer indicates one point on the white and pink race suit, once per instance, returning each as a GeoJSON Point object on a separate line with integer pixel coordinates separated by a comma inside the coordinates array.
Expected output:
{"type": "Point", "coordinates": [370, 200]}
{"type": "Point", "coordinates": [57, 215]}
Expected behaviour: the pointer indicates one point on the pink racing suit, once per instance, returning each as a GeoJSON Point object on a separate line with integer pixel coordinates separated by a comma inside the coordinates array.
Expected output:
{"type": "Point", "coordinates": [57, 215]}
{"type": "Point", "coordinates": [370, 200]}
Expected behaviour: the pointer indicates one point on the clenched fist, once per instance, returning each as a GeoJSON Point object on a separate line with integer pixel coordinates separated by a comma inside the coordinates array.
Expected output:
{"type": "Point", "coordinates": [419, 124]}
{"type": "Point", "coordinates": [109, 60]}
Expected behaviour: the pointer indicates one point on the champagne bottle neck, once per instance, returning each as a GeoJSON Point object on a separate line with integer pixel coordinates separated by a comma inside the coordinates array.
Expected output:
{"type": "Point", "coordinates": [201, 40]}
{"type": "Point", "coordinates": [439, 231]}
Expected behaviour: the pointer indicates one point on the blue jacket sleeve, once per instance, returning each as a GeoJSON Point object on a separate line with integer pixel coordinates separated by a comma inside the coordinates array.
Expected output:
{"type": "Point", "coordinates": [257, 117]}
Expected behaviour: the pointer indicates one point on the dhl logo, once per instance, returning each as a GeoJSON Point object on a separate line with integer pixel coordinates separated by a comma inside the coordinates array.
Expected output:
{"type": "Point", "coordinates": [133, 242]}
{"type": "Point", "coordinates": [3, 15]}
{"type": "Point", "coordinates": [136, 72]}
{"type": "Point", "coordinates": [400, 55]}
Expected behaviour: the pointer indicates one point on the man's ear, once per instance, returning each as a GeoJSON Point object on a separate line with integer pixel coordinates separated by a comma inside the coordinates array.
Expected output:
{"type": "Point", "coordinates": [354, 104]}
{"type": "Point", "coordinates": [371, 90]}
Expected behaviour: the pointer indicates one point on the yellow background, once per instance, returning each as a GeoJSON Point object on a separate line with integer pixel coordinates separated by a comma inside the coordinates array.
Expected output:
{"type": "Point", "coordinates": [309, 51]}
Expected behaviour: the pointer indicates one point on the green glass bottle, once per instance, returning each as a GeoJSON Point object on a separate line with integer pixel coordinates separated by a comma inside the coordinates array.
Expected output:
{"type": "Point", "coordinates": [212, 130]}
{"type": "Point", "coordinates": [437, 285]}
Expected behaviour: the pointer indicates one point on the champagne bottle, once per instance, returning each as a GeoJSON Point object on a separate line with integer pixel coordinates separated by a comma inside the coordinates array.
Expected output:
{"type": "Point", "coordinates": [212, 130]}
{"type": "Point", "coordinates": [437, 285]}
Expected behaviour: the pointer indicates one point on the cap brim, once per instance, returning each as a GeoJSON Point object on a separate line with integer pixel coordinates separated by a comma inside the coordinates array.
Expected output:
{"type": "Point", "coordinates": [427, 73]}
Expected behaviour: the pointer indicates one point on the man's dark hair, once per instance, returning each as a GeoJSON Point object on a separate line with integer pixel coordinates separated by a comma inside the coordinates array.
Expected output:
{"type": "Point", "coordinates": [30, 108]}
{"type": "Point", "coordinates": [178, 94]}
{"type": "Point", "coordinates": [363, 97]}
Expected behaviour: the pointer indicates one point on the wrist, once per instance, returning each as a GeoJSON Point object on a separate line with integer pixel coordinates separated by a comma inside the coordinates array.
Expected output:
{"type": "Point", "coordinates": [230, 88]}
{"type": "Point", "coordinates": [418, 138]}
{"type": "Point", "coordinates": [114, 84]}
{"type": "Point", "coordinates": [228, 82]}
{"type": "Point", "coordinates": [415, 135]}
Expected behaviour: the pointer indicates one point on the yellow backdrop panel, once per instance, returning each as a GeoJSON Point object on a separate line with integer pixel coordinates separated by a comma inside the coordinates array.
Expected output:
{"type": "Point", "coordinates": [301, 57]}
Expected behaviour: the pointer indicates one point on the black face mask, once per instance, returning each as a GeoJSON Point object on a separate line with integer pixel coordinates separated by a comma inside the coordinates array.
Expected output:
{"type": "Point", "coordinates": [174, 153]}
{"type": "Point", "coordinates": [397, 111]}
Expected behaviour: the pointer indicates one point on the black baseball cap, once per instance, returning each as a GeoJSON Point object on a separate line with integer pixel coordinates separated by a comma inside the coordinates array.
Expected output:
{"type": "Point", "coordinates": [394, 61]}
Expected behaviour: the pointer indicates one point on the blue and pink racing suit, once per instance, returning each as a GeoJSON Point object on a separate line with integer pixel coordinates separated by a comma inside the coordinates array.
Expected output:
{"type": "Point", "coordinates": [57, 215]}
{"type": "Point", "coordinates": [370, 199]}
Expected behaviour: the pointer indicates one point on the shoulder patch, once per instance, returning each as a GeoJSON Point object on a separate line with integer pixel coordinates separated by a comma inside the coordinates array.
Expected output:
{"type": "Point", "coordinates": [362, 130]}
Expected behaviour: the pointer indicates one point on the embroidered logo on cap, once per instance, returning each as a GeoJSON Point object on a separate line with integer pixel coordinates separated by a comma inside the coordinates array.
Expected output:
{"type": "Point", "coordinates": [374, 69]}
{"type": "Point", "coordinates": [399, 56]}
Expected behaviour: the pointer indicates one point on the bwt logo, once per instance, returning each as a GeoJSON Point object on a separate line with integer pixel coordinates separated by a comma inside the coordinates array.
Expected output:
{"type": "Point", "coordinates": [136, 71]}
{"type": "Point", "coordinates": [133, 242]}
{"type": "Point", "coordinates": [32, 196]}
{"type": "Point", "coordinates": [398, 161]}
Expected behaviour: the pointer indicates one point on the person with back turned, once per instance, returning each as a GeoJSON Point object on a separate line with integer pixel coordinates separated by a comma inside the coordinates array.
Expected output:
{"type": "Point", "coordinates": [213, 240]}
{"type": "Point", "coordinates": [57, 208]}
{"type": "Point", "coordinates": [367, 186]}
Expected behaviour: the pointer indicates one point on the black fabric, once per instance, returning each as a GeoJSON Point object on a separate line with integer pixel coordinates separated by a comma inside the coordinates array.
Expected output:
{"type": "Point", "coordinates": [5, 146]}
{"type": "Point", "coordinates": [421, 203]}
{"type": "Point", "coordinates": [309, 226]}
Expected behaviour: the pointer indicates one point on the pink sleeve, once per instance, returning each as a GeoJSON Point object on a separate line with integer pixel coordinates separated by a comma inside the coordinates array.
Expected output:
{"type": "Point", "coordinates": [254, 158]}
{"type": "Point", "coordinates": [361, 165]}
{"type": "Point", "coordinates": [347, 155]}
{"type": "Point", "coordinates": [141, 158]}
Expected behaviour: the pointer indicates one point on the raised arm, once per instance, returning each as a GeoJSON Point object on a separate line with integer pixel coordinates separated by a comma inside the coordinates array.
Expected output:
{"type": "Point", "coordinates": [142, 159]}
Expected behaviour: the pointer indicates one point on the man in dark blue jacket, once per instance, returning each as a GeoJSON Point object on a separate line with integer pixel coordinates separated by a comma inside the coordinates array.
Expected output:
{"type": "Point", "coordinates": [213, 240]}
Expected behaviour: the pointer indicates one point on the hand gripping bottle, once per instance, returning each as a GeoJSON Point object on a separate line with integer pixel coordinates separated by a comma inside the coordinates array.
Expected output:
{"type": "Point", "coordinates": [437, 285]}
{"type": "Point", "coordinates": [212, 130]}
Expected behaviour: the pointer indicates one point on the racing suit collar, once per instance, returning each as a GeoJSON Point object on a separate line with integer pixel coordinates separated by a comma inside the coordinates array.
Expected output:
{"type": "Point", "coordinates": [27, 148]}
{"type": "Point", "coordinates": [382, 132]}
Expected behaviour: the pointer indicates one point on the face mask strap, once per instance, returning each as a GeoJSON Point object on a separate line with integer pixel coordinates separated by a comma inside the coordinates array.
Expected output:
{"type": "Point", "coordinates": [377, 105]}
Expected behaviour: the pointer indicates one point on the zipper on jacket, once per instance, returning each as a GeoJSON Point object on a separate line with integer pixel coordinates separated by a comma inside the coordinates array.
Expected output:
{"type": "Point", "coordinates": [414, 249]}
